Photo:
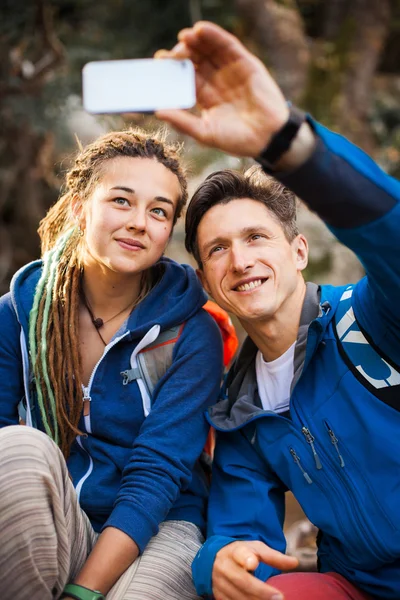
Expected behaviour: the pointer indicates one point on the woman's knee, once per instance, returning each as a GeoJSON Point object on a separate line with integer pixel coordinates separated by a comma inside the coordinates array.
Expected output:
{"type": "Point", "coordinates": [23, 447]}
{"type": "Point", "coordinates": [164, 571]}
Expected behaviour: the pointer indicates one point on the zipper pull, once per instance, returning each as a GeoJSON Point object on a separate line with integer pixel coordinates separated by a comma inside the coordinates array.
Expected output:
{"type": "Point", "coordinates": [125, 377]}
{"type": "Point", "coordinates": [86, 402]}
{"type": "Point", "coordinates": [310, 440]}
{"type": "Point", "coordinates": [298, 463]}
{"type": "Point", "coordinates": [334, 441]}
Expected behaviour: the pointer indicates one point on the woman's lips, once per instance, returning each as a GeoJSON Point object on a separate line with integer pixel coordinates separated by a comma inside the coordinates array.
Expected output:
{"type": "Point", "coordinates": [132, 245]}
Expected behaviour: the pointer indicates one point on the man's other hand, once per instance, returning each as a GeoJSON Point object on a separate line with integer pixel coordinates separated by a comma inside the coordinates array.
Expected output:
{"type": "Point", "coordinates": [232, 577]}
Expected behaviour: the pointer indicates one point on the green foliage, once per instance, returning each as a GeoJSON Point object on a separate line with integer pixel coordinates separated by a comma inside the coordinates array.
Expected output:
{"type": "Point", "coordinates": [318, 267]}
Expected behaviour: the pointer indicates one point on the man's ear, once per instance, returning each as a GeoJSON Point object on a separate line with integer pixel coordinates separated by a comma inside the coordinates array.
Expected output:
{"type": "Point", "coordinates": [203, 280]}
{"type": "Point", "coordinates": [300, 246]}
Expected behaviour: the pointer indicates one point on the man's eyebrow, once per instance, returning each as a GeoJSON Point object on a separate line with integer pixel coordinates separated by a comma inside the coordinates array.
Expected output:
{"type": "Point", "coordinates": [131, 191]}
{"type": "Point", "coordinates": [214, 242]}
{"type": "Point", "coordinates": [255, 229]}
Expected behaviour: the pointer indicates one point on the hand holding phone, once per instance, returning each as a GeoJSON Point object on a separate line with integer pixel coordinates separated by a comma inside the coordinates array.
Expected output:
{"type": "Point", "coordinates": [138, 85]}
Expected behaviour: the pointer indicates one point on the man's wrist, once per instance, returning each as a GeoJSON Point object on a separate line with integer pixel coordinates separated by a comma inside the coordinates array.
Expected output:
{"type": "Point", "coordinates": [291, 145]}
{"type": "Point", "coordinates": [79, 592]}
{"type": "Point", "coordinates": [301, 149]}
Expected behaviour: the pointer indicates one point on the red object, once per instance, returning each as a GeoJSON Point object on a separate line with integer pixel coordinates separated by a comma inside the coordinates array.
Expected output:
{"type": "Point", "coordinates": [227, 329]}
{"type": "Point", "coordinates": [316, 586]}
{"type": "Point", "coordinates": [230, 344]}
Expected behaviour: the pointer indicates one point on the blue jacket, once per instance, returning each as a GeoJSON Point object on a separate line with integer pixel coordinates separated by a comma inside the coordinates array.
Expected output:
{"type": "Point", "coordinates": [339, 452]}
{"type": "Point", "coordinates": [132, 472]}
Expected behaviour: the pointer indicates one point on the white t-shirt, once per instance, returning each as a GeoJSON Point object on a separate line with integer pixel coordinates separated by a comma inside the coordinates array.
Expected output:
{"type": "Point", "coordinates": [274, 379]}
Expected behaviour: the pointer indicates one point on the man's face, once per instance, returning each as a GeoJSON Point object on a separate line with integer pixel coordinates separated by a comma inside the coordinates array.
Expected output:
{"type": "Point", "coordinates": [249, 266]}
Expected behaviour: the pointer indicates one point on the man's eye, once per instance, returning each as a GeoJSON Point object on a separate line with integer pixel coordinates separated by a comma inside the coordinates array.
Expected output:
{"type": "Point", "coordinates": [159, 211]}
{"type": "Point", "coordinates": [121, 201]}
{"type": "Point", "coordinates": [216, 249]}
{"type": "Point", "coordinates": [256, 236]}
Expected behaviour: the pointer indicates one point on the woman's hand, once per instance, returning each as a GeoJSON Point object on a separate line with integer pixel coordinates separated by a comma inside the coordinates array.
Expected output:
{"type": "Point", "coordinates": [240, 104]}
{"type": "Point", "coordinates": [232, 578]}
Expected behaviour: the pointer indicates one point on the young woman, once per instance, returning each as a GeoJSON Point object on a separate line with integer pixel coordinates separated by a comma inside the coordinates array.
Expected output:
{"type": "Point", "coordinates": [104, 495]}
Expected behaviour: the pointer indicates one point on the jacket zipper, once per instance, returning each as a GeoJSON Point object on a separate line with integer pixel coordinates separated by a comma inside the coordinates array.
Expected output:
{"type": "Point", "coordinates": [335, 441]}
{"type": "Point", "coordinates": [86, 390]}
{"type": "Point", "coordinates": [86, 404]}
{"type": "Point", "coordinates": [364, 533]}
{"type": "Point", "coordinates": [310, 440]}
{"type": "Point", "coordinates": [298, 463]}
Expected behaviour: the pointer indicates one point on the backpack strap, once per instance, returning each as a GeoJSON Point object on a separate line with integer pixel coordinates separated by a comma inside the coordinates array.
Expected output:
{"type": "Point", "coordinates": [155, 360]}
{"type": "Point", "coordinates": [151, 363]}
{"type": "Point", "coordinates": [377, 372]}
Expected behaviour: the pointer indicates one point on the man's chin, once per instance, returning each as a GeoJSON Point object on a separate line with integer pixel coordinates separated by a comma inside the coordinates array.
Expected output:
{"type": "Point", "coordinates": [256, 313]}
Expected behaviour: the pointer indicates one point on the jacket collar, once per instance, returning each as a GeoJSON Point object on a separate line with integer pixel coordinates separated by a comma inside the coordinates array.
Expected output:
{"type": "Point", "coordinates": [243, 402]}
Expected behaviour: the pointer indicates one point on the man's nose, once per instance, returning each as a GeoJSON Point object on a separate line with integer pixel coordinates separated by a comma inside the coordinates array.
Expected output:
{"type": "Point", "coordinates": [241, 260]}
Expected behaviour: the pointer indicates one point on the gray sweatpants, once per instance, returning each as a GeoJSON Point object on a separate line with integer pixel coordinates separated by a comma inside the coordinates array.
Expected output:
{"type": "Point", "coordinates": [45, 537]}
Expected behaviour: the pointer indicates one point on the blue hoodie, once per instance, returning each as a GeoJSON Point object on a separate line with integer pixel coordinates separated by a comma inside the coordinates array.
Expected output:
{"type": "Point", "coordinates": [130, 471]}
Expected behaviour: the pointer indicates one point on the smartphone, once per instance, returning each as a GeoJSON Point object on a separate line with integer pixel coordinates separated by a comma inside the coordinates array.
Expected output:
{"type": "Point", "coordinates": [138, 85]}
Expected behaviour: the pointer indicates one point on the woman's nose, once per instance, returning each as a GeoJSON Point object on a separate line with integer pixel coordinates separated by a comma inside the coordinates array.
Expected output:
{"type": "Point", "coordinates": [137, 220]}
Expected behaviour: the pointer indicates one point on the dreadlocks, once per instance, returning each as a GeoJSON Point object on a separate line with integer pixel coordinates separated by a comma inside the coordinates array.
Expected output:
{"type": "Point", "coordinates": [54, 317]}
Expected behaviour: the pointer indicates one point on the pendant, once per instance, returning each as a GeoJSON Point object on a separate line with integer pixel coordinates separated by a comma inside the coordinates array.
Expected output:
{"type": "Point", "coordinates": [98, 322]}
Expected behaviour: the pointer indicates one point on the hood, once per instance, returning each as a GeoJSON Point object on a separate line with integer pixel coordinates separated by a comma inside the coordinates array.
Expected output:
{"type": "Point", "coordinates": [243, 403]}
{"type": "Point", "coordinates": [175, 298]}
{"type": "Point", "coordinates": [22, 287]}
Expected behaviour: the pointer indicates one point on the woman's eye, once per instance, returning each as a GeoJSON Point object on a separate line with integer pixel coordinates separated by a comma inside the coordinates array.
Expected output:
{"type": "Point", "coordinates": [121, 201]}
{"type": "Point", "coordinates": [159, 211]}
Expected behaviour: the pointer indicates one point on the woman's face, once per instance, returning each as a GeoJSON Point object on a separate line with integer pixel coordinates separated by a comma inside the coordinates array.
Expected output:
{"type": "Point", "coordinates": [127, 220]}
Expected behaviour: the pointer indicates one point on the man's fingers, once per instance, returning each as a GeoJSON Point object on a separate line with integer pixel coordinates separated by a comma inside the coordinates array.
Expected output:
{"type": "Point", "coordinates": [234, 583]}
{"type": "Point", "coordinates": [184, 121]}
{"type": "Point", "coordinates": [274, 558]}
{"type": "Point", "coordinates": [180, 51]}
{"type": "Point", "coordinates": [163, 54]}
{"type": "Point", "coordinates": [250, 555]}
{"type": "Point", "coordinates": [245, 557]}
{"type": "Point", "coordinates": [213, 41]}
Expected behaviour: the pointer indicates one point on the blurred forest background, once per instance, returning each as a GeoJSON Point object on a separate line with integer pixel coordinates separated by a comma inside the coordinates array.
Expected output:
{"type": "Point", "coordinates": [339, 59]}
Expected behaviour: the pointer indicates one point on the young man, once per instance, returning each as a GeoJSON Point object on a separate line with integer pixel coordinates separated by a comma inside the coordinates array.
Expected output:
{"type": "Point", "coordinates": [313, 401]}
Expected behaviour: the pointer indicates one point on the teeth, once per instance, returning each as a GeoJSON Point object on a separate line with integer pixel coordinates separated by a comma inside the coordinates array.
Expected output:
{"type": "Point", "coordinates": [249, 286]}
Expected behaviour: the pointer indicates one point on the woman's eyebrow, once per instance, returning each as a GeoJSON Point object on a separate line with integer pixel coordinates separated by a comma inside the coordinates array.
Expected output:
{"type": "Point", "coordinates": [162, 199]}
{"type": "Point", "coordinates": [131, 191]}
{"type": "Point", "coordinates": [123, 188]}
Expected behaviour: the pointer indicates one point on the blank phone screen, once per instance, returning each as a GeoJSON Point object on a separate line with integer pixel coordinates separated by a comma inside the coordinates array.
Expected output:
{"type": "Point", "coordinates": [142, 85]}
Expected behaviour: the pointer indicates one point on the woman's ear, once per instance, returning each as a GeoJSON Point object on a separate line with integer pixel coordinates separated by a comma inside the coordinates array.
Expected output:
{"type": "Point", "coordinates": [78, 213]}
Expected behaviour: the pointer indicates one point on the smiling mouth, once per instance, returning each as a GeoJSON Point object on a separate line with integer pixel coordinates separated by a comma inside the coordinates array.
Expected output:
{"type": "Point", "coordinates": [250, 285]}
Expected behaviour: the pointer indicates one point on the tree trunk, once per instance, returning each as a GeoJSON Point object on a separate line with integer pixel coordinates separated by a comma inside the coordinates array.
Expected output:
{"type": "Point", "coordinates": [369, 20]}
{"type": "Point", "coordinates": [277, 31]}
{"type": "Point", "coordinates": [28, 184]}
